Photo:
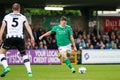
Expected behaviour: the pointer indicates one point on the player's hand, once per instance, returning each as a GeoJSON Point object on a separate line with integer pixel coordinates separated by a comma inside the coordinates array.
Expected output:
{"type": "Point", "coordinates": [74, 48]}
{"type": "Point", "coordinates": [32, 40]}
{"type": "Point", "coordinates": [40, 38]}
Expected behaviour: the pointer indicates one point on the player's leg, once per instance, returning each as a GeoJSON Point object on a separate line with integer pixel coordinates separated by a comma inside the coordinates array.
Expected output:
{"type": "Point", "coordinates": [63, 53]}
{"type": "Point", "coordinates": [26, 61]}
{"type": "Point", "coordinates": [69, 52]}
{"type": "Point", "coordinates": [4, 62]}
{"type": "Point", "coordinates": [3, 59]}
{"type": "Point", "coordinates": [67, 61]}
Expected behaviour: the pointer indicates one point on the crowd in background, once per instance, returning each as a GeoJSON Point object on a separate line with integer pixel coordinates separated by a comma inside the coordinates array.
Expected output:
{"type": "Point", "coordinates": [48, 42]}
{"type": "Point", "coordinates": [83, 40]}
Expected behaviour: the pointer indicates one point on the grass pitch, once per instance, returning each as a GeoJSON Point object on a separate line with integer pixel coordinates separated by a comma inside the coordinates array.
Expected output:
{"type": "Point", "coordinates": [61, 72]}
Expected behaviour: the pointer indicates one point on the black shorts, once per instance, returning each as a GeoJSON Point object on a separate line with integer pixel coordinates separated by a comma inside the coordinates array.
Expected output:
{"type": "Point", "coordinates": [19, 43]}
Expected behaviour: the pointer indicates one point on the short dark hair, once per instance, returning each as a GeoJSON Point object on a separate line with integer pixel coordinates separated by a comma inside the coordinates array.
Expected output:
{"type": "Point", "coordinates": [63, 18]}
{"type": "Point", "coordinates": [16, 6]}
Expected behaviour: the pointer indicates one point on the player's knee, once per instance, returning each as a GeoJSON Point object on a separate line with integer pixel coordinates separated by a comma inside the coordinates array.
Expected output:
{"type": "Point", "coordinates": [26, 60]}
{"type": "Point", "coordinates": [4, 58]}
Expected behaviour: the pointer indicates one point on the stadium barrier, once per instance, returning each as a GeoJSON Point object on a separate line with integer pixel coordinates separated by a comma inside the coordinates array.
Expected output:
{"type": "Point", "coordinates": [100, 56]}
{"type": "Point", "coordinates": [39, 57]}
{"type": "Point", "coordinates": [35, 56]}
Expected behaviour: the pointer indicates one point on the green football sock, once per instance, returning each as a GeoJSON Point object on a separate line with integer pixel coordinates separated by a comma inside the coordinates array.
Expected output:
{"type": "Point", "coordinates": [68, 63]}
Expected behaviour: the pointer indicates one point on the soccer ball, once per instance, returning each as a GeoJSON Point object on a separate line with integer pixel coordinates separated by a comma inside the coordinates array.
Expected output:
{"type": "Point", "coordinates": [82, 70]}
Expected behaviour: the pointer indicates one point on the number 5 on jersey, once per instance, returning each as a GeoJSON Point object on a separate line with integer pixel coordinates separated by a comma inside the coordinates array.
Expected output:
{"type": "Point", "coordinates": [15, 22]}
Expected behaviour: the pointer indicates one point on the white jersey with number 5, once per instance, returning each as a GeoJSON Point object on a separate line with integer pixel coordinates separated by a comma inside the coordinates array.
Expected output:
{"type": "Point", "coordinates": [14, 23]}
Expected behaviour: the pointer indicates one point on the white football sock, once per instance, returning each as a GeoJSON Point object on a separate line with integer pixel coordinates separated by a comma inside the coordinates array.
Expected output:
{"type": "Point", "coordinates": [4, 61]}
{"type": "Point", "coordinates": [27, 63]}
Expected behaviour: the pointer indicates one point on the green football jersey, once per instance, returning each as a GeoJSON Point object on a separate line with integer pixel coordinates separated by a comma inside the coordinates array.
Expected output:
{"type": "Point", "coordinates": [62, 34]}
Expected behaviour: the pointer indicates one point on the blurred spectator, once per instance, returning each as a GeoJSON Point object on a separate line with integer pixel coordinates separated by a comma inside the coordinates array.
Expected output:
{"type": "Point", "coordinates": [103, 38]}
{"type": "Point", "coordinates": [117, 41]}
{"type": "Point", "coordinates": [85, 36]}
{"type": "Point", "coordinates": [28, 44]}
{"type": "Point", "coordinates": [99, 38]}
{"type": "Point", "coordinates": [34, 45]}
{"type": "Point", "coordinates": [79, 32]}
{"type": "Point", "coordinates": [93, 41]}
{"type": "Point", "coordinates": [102, 45]}
{"type": "Point", "coordinates": [53, 44]}
{"type": "Point", "coordinates": [107, 46]}
{"type": "Point", "coordinates": [75, 35]}
{"type": "Point", "coordinates": [95, 30]}
{"type": "Point", "coordinates": [112, 36]}
{"type": "Point", "coordinates": [79, 39]}
{"type": "Point", "coordinates": [45, 46]}
{"type": "Point", "coordinates": [88, 36]}
{"type": "Point", "coordinates": [97, 46]}
{"type": "Point", "coordinates": [39, 33]}
{"type": "Point", "coordinates": [82, 44]}
{"type": "Point", "coordinates": [87, 45]}
{"type": "Point", "coordinates": [117, 33]}
{"type": "Point", "coordinates": [41, 46]}
{"type": "Point", "coordinates": [112, 45]}
{"type": "Point", "coordinates": [35, 35]}
{"type": "Point", "coordinates": [48, 41]}
{"type": "Point", "coordinates": [91, 46]}
{"type": "Point", "coordinates": [107, 38]}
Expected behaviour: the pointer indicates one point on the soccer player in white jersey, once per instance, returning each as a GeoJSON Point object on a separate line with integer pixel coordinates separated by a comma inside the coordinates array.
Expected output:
{"type": "Point", "coordinates": [14, 22]}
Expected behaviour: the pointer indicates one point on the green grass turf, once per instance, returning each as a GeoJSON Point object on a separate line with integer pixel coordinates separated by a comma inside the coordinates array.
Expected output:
{"type": "Point", "coordinates": [61, 72]}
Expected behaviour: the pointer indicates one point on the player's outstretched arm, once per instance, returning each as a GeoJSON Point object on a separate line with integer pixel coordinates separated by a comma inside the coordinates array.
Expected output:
{"type": "Point", "coordinates": [46, 34]}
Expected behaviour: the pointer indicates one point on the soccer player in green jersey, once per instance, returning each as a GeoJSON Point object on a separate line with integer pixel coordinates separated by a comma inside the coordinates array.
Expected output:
{"type": "Point", "coordinates": [64, 37]}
